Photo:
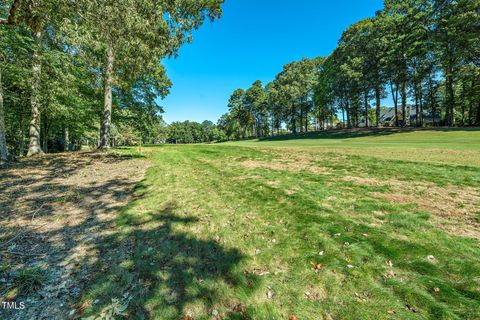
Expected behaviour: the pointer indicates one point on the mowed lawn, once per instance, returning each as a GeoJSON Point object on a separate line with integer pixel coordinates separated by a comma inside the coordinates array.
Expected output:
{"type": "Point", "coordinates": [333, 226]}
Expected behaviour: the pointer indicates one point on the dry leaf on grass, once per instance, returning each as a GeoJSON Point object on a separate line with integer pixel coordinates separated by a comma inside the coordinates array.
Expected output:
{"type": "Point", "coordinates": [316, 266]}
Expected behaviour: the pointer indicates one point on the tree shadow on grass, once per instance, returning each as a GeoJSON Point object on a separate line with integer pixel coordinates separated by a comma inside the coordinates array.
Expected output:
{"type": "Point", "coordinates": [359, 133]}
{"type": "Point", "coordinates": [162, 272]}
{"type": "Point", "coordinates": [34, 181]}
{"type": "Point", "coordinates": [54, 210]}
{"type": "Point", "coordinates": [144, 258]}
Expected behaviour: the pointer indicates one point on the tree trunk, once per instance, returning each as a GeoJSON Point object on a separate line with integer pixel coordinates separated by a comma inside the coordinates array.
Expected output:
{"type": "Point", "coordinates": [450, 93]}
{"type": "Point", "coordinates": [34, 131]}
{"type": "Point", "coordinates": [477, 120]}
{"type": "Point", "coordinates": [404, 102]}
{"type": "Point", "coordinates": [46, 128]}
{"type": "Point", "coordinates": [451, 101]}
{"type": "Point", "coordinates": [3, 141]}
{"type": "Point", "coordinates": [66, 139]}
{"type": "Point", "coordinates": [107, 106]}
{"type": "Point", "coordinates": [377, 106]}
{"type": "Point", "coordinates": [431, 95]}
{"type": "Point", "coordinates": [347, 106]}
{"type": "Point", "coordinates": [306, 121]}
{"type": "Point", "coordinates": [301, 118]}
{"type": "Point", "coordinates": [366, 108]}
{"type": "Point", "coordinates": [294, 121]}
{"type": "Point", "coordinates": [471, 107]}
{"type": "Point", "coordinates": [420, 98]}
{"type": "Point", "coordinates": [306, 113]}
{"type": "Point", "coordinates": [395, 100]}
{"type": "Point", "coordinates": [464, 99]}
{"type": "Point", "coordinates": [417, 120]}
{"type": "Point", "coordinates": [21, 135]}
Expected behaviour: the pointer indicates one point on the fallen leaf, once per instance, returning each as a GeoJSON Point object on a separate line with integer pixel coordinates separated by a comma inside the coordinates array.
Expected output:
{"type": "Point", "coordinates": [292, 317]}
{"type": "Point", "coordinates": [316, 266]}
{"type": "Point", "coordinates": [239, 308]}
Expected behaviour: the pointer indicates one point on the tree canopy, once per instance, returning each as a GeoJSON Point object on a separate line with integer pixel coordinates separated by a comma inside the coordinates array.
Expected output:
{"type": "Point", "coordinates": [423, 54]}
{"type": "Point", "coordinates": [68, 68]}
{"type": "Point", "coordinates": [86, 72]}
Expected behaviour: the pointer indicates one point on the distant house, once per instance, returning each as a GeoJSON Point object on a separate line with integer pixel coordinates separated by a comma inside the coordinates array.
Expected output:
{"type": "Point", "coordinates": [388, 117]}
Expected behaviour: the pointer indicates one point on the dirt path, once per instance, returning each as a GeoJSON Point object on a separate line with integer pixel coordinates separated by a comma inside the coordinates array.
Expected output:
{"type": "Point", "coordinates": [53, 211]}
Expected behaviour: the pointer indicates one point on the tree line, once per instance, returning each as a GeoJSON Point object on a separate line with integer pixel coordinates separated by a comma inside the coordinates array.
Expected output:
{"type": "Point", "coordinates": [178, 132]}
{"type": "Point", "coordinates": [193, 132]}
{"type": "Point", "coordinates": [88, 72]}
{"type": "Point", "coordinates": [423, 54]}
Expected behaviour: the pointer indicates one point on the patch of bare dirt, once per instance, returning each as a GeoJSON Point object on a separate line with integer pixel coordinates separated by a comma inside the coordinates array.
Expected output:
{"type": "Point", "coordinates": [455, 209]}
{"type": "Point", "coordinates": [54, 210]}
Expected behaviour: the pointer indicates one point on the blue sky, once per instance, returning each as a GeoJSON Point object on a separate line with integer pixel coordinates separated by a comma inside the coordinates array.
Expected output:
{"type": "Point", "coordinates": [253, 40]}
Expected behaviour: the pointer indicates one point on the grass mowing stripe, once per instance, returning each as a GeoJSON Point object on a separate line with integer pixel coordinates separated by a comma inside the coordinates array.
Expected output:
{"type": "Point", "coordinates": [246, 233]}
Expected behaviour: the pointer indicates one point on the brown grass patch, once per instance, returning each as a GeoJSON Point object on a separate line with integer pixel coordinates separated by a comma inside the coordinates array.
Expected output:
{"type": "Point", "coordinates": [454, 209]}
{"type": "Point", "coordinates": [293, 165]}
{"type": "Point", "coordinates": [62, 206]}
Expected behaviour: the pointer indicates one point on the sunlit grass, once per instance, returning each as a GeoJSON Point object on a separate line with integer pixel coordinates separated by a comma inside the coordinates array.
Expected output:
{"type": "Point", "coordinates": [247, 231]}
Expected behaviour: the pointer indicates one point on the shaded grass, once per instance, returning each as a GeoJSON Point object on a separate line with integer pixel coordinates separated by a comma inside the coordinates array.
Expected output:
{"type": "Point", "coordinates": [27, 281]}
{"type": "Point", "coordinates": [207, 236]}
{"type": "Point", "coordinates": [442, 138]}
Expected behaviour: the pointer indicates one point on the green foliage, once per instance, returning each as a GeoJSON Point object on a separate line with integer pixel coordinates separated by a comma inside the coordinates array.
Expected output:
{"type": "Point", "coordinates": [193, 132]}
{"type": "Point", "coordinates": [422, 52]}
{"type": "Point", "coordinates": [53, 59]}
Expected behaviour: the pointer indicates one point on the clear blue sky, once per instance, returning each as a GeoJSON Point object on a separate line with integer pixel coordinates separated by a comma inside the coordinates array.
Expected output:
{"type": "Point", "coordinates": [253, 40]}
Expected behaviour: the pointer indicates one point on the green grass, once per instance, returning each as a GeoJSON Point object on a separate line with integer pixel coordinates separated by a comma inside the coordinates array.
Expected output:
{"type": "Point", "coordinates": [266, 230]}
{"type": "Point", "coordinates": [27, 281]}
{"type": "Point", "coordinates": [451, 139]}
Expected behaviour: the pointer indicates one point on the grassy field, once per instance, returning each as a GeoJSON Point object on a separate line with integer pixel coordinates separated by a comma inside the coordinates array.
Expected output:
{"type": "Point", "coordinates": [333, 226]}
